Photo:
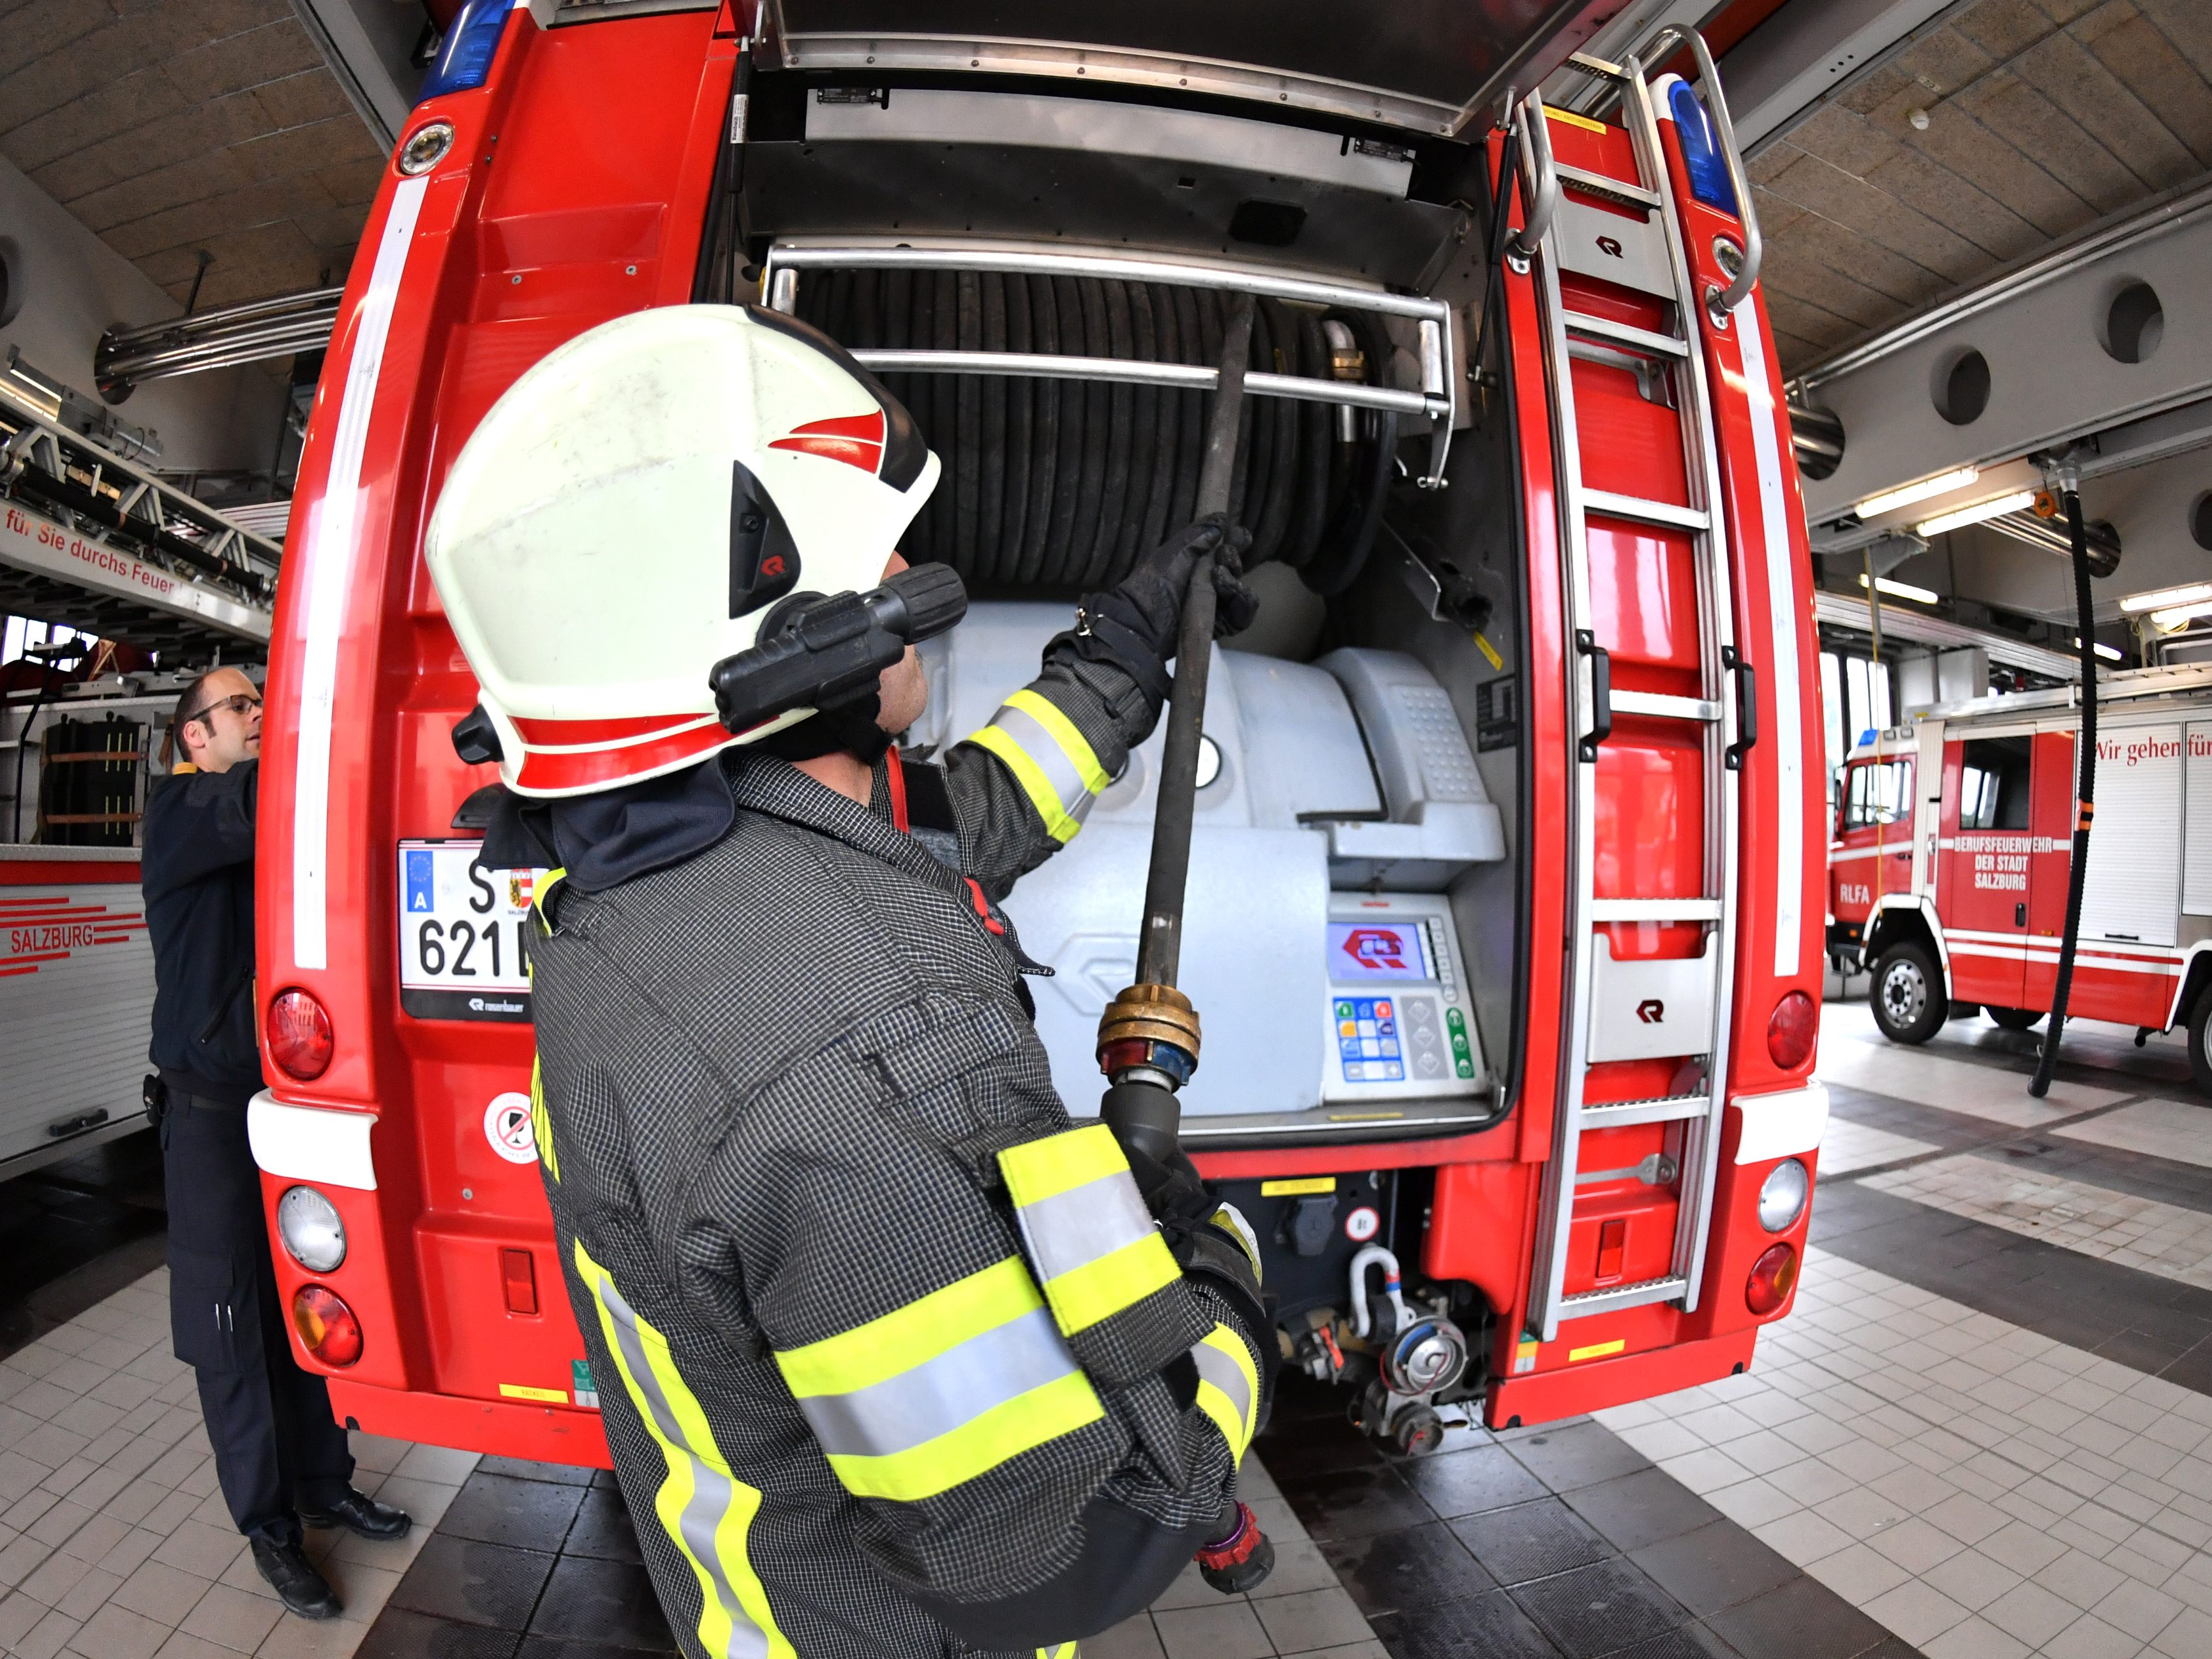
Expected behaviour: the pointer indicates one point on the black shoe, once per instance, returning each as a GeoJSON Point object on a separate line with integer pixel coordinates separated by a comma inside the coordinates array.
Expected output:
{"type": "Point", "coordinates": [358, 1513]}
{"type": "Point", "coordinates": [295, 1581]}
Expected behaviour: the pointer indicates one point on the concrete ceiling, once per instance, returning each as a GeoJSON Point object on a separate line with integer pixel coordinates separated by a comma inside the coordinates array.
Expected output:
{"type": "Point", "coordinates": [2042, 116]}
{"type": "Point", "coordinates": [170, 126]}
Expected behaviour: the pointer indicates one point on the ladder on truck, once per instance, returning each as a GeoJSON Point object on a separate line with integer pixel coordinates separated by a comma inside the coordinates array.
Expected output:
{"type": "Point", "coordinates": [1697, 990]}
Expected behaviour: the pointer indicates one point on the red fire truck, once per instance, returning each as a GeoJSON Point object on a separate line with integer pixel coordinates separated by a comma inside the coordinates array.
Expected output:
{"type": "Point", "coordinates": [1503, 916]}
{"type": "Point", "coordinates": [1954, 845]}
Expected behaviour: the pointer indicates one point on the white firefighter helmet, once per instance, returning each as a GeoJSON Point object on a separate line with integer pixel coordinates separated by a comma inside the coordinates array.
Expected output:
{"type": "Point", "coordinates": [628, 513]}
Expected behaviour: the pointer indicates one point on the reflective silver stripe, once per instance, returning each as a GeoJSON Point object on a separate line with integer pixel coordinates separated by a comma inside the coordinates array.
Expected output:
{"type": "Point", "coordinates": [711, 1491]}
{"type": "Point", "coordinates": [940, 1395]}
{"type": "Point", "coordinates": [1218, 1369]}
{"type": "Point", "coordinates": [1073, 1229]}
{"type": "Point", "coordinates": [1043, 749]}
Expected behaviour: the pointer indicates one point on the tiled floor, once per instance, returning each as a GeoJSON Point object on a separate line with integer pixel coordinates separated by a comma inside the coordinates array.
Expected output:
{"type": "Point", "coordinates": [114, 1542]}
{"type": "Point", "coordinates": [1985, 1432]}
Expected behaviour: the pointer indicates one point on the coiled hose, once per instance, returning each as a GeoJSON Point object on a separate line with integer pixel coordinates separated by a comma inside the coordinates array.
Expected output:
{"type": "Point", "coordinates": [1063, 485]}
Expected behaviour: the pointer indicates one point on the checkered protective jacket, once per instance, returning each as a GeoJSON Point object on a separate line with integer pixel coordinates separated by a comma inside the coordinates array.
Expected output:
{"type": "Point", "coordinates": [892, 1360]}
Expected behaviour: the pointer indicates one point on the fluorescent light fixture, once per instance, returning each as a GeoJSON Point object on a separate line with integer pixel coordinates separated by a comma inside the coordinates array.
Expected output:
{"type": "Point", "coordinates": [1941, 484]}
{"type": "Point", "coordinates": [2102, 650]}
{"type": "Point", "coordinates": [2180, 616]}
{"type": "Point", "coordinates": [1963, 516]}
{"type": "Point", "coordinates": [1903, 591]}
{"type": "Point", "coordinates": [2165, 599]}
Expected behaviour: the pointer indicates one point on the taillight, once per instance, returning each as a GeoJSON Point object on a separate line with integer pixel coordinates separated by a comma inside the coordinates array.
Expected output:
{"type": "Point", "coordinates": [326, 1325]}
{"type": "Point", "coordinates": [299, 1037]}
{"type": "Point", "coordinates": [1773, 1276]}
{"type": "Point", "coordinates": [1791, 1029]}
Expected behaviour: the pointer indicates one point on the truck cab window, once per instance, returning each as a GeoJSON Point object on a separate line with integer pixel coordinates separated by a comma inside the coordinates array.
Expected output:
{"type": "Point", "coordinates": [1880, 792]}
{"type": "Point", "coordinates": [1993, 784]}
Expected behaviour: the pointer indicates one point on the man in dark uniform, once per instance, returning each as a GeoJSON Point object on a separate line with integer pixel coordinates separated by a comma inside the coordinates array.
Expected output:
{"type": "Point", "coordinates": [276, 1444]}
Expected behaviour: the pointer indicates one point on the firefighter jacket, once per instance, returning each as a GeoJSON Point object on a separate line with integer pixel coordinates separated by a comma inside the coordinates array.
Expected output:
{"type": "Point", "coordinates": [892, 1360]}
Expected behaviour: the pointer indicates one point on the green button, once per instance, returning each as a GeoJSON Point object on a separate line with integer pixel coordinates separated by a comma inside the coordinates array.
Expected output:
{"type": "Point", "coordinates": [1467, 1068]}
{"type": "Point", "coordinates": [1459, 1047]}
{"type": "Point", "coordinates": [1344, 1010]}
{"type": "Point", "coordinates": [1454, 1018]}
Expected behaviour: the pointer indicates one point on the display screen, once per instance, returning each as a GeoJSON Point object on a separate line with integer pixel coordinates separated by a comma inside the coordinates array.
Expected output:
{"type": "Point", "coordinates": [1377, 950]}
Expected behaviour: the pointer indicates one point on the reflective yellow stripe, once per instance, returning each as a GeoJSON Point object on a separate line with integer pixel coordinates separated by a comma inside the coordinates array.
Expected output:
{"type": "Point", "coordinates": [1037, 786]}
{"type": "Point", "coordinates": [1088, 1234]}
{"type": "Point", "coordinates": [704, 1508]}
{"type": "Point", "coordinates": [537, 896]}
{"type": "Point", "coordinates": [1099, 1290]}
{"type": "Point", "coordinates": [1042, 1169]}
{"type": "Point", "coordinates": [905, 1337]}
{"type": "Point", "coordinates": [541, 1124]}
{"type": "Point", "coordinates": [1065, 1650]}
{"type": "Point", "coordinates": [1234, 1420]}
{"type": "Point", "coordinates": [978, 1446]}
{"type": "Point", "coordinates": [1072, 744]}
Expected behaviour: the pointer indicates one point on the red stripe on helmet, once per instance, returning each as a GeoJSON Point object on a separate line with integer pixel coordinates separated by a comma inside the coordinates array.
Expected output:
{"type": "Point", "coordinates": [579, 734]}
{"type": "Point", "coordinates": [586, 768]}
{"type": "Point", "coordinates": [855, 440]}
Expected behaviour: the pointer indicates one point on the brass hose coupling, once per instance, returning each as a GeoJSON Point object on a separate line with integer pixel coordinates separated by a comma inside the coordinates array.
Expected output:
{"type": "Point", "coordinates": [1149, 1025]}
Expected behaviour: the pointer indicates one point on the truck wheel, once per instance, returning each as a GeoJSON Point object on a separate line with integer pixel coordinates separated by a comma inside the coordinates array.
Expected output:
{"type": "Point", "coordinates": [1908, 994]}
{"type": "Point", "coordinates": [2200, 1062]}
{"type": "Point", "coordinates": [2014, 1019]}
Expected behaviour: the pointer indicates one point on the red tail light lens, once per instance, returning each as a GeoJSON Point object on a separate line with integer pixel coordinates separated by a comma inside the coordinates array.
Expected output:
{"type": "Point", "coordinates": [299, 1037]}
{"type": "Point", "coordinates": [1773, 1276]}
{"type": "Point", "coordinates": [326, 1325]}
{"type": "Point", "coordinates": [1791, 1029]}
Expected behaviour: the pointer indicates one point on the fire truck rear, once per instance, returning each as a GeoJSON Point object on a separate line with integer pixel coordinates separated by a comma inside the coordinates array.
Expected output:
{"type": "Point", "coordinates": [1505, 906]}
{"type": "Point", "coordinates": [1955, 847]}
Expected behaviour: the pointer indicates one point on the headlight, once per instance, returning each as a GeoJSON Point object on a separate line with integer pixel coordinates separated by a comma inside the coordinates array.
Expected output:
{"type": "Point", "coordinates": [313, 1235]}
{"type": "Point", "coordinates": [1781, 1197]}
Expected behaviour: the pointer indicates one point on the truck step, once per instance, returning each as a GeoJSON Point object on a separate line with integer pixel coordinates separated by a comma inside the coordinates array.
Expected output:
{"type": "Point", "coordinates": [1638, 510]}
{"type": "Point", "coordinates": [1663, 1109]}
{"type": "Point", "coordinates": [1584, 1304]}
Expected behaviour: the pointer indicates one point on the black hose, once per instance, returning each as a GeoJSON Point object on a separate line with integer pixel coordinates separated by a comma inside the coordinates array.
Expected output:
{"type": "Point", "coordinates": [1045, 449]}
{"type": "Point", "coordinates": [2084, 793]}
{"type": "Point", "coordinates": [1021, 406]}
{"type": "Point", "coordinates": [969, 548]}
{"type": "Point", "coordinates": [1144, 437]}
{"type": "Point", "coordinates": [1113, 485]}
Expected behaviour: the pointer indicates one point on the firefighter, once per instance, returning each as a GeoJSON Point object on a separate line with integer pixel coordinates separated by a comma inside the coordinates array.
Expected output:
{"type": "Point", "coordinates": [894, 1362]}
{"type": "Point", "coordinates": [269, 1421]}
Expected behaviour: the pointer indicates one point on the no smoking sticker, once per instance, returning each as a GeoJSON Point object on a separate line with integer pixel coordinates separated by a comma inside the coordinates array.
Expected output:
{"type": "Point", "coordinates": [507, 1126]}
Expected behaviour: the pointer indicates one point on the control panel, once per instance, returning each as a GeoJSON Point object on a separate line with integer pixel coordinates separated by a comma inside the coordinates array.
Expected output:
{"type": "Point", "coordinates": [1400, 1024]}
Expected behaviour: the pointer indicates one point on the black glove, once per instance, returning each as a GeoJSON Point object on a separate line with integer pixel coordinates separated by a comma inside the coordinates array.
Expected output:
{"type": "Point", "coordinates": [1135, 626]}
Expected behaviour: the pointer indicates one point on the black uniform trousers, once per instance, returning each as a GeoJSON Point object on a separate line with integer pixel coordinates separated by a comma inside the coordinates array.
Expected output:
{"type": "Point", "coordinates": [277, 1449]}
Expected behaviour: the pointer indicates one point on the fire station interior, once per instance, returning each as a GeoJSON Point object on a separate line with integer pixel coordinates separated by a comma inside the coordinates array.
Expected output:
{"type": "Point", "coordinates": [1578, 561]}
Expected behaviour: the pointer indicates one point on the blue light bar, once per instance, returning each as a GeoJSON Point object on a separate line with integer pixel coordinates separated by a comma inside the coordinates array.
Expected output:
{"type": "Point", "coordinates": [1701, 154]}
{"type": "Point", "coordinates": [464, 55]}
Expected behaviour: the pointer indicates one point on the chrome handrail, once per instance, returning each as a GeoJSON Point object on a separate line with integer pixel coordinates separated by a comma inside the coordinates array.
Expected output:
{"type": "Point", "coordinates": [1544, 198]}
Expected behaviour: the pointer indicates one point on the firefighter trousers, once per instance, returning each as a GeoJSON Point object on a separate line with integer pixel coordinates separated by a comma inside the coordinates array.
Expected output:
{"type": "Point", "coordinates": [276, 1447]}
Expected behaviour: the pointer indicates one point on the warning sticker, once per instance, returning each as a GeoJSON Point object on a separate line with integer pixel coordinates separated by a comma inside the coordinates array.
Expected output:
{"type": "Point", "coordinates": [507, 1126]}
{"type": "Point", "coordinates": [588, 1393]}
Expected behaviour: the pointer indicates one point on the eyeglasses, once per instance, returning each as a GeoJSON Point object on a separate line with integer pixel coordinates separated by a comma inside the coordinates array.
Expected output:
{"type": "Point", "coordinates": [237, 702]}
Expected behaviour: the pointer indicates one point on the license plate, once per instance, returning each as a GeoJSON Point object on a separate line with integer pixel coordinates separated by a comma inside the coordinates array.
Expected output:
{"type": "Point", "coordinates": [464, 934]}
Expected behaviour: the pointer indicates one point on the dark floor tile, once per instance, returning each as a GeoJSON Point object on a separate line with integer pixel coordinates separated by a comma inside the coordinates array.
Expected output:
{"type": "Point", "coordinates": [1473, 1481]}
{"type": "Point", "coordinates": [2142, 1351]}
{"type": "Point", "coordinates": [1313, 1445]}
{"type": "Point", "coordinates": [499, 1509]}
{"type": "Point", "coordinates": [1800, 1620]}
{"type": "Point", "coordinates": [1389, 1571]}
{"type": "Point", "coordinates": [399, 1634]}
{"type": "Point", "coordinates": [74, 1233]}
{"type": "Point", "coordinates": [603, 1529]}
{"type": "Point", "coordinates": [612, 1601]}
{"type": "Point", "coordinates": [547, 1647]}
{"type": "Point", "coordinates": [1577, 1454]}
{"type": "Point", "coordinates": [1488, 1627]}
{"type": "Point", "coordinates": [1690, 1642]}
{"type": "Point", "coordinates": [474, 1583]}
{"type": "Point", "coordinates": [1636, 1510]}
{"type": "Point", "coordinates": [1714, 1567]}
{"type": "Point", "coordinates": [559, 1474]}
{"type": "Point", "coordinates": [1352, 1503]}
{"type": "Point", "coordinates": [1600, 1609]}
{"type": "Point", "coordinates": [1532, 1540]}
{"type": "Point", "coordinates": [604, 1479]}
